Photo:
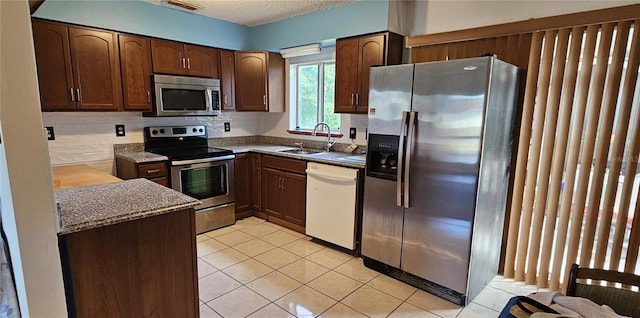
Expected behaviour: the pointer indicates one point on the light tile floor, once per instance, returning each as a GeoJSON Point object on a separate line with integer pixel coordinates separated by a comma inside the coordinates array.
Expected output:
{"type": "Point", "coordinates": [259, 269]}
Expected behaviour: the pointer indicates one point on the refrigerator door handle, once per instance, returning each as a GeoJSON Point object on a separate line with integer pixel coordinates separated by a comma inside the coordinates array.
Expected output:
{"type": "Point", "coordinates": [403, 132]}
{"type": "Point", "coordinates": [407, 165]}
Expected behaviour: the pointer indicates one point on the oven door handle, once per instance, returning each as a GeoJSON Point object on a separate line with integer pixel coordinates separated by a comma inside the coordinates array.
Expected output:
{"type": "Point", "coordinates": [194, 161]}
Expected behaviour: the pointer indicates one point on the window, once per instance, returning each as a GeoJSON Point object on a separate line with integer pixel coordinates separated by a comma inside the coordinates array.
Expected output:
{"type": "Point", "coordinates": [312, 91]}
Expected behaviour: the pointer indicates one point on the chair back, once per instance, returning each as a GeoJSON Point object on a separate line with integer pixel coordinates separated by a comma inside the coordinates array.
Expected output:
{"type": "Point", "coordinates": [615, 289]}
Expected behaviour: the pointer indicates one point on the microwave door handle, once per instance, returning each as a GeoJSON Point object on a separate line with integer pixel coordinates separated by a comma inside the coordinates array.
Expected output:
{"type": "Point", "coordinates": [403, 132]}
{"type": "Point", "coordinates": [209, 100]}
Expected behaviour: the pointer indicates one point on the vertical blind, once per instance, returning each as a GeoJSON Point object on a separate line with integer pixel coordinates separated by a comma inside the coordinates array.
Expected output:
{"type": "Point", "coordinates": [575, 186]}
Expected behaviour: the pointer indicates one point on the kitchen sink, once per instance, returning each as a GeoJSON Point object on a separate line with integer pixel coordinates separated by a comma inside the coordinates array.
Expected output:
{"type": "Point", "coordinates": [302, 151]}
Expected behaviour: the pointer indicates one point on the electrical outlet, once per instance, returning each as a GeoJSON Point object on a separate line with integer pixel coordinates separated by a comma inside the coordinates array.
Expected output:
{"type": "Point", "coordinates": [227, 127]}
{"type": "Point", "coordinates": [352, 133]}
{"type": "Point", "coordinates": [120, 131]}
{"type": "Point", "coordinates": [50, 134]}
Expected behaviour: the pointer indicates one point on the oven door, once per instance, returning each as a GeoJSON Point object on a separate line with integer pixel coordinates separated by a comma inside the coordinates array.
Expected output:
{"type": "Point", "coordinates": [209, 180]}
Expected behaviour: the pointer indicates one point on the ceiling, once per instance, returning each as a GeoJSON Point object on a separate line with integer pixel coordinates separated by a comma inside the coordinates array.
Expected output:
{"type": "Point", "coordinates": [255, 12]}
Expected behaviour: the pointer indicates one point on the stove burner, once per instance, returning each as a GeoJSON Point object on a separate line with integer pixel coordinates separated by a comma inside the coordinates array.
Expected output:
{"type": "Point", "coordinates": [181, 142]}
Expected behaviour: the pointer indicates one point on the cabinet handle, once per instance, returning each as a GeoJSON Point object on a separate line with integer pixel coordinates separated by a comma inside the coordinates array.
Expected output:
{"type": "Point", "coordinates": [184, 63]}
{"type": "Point", "coordinates": [283, 180]}
{"type": "Point", "coordinates": [352, 101]}
{"type": "Point", "coordinates": [188, 63]}
{"type": "Point", "coordinates": [78, 96]}
{"type": "Point", "coordinates": [153, 171]}
{"type": "Point", "coordinates": [264, 99]}
{"type": "Point", "coordinates": [73, 95]}
{"type": "Point", "coordinates": [225, 98]}
{"type": "Point", "coordinates": [357, 99]}
{"type": "Point", "coordinates": [148, 97]}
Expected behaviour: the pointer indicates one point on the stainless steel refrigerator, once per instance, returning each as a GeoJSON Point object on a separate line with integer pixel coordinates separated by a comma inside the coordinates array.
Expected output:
{"type": "Point", "coordinates": [439, 149]}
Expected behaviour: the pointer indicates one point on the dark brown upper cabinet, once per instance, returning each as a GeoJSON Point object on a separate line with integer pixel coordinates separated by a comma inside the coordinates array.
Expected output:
{"type": "Point", "coordinates": [78, 68]}
{"type": "Point", "coordinates": [178, 58]}
{"type": "Point", "coordinates": [135, 65]}
{"type": "Point", "coordinates": [259, 81]}
{"type": "Point", "coordinates": [228, 80]}
{"type": "Point", "coordinates": [354, 57]}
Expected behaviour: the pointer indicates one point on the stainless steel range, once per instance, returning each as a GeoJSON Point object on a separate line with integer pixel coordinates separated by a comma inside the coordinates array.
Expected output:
{"type": "Point", "coordinates": [197, 170]}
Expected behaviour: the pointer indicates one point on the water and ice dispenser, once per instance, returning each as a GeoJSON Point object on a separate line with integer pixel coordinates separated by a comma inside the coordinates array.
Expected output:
{"type": "Point", "coordinates": [382, 156]}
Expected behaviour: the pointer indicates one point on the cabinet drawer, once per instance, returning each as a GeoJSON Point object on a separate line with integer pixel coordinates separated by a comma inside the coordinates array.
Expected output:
{"type": "Point", "coordinates": [162, 181]}
{"type": "Point", "coordinates": [292, 165]}
{"type": "Point", "coordinates": [152, 170]}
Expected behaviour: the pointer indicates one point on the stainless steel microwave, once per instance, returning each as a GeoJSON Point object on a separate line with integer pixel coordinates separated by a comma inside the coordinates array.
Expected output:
{"type": "Point", "coordinates": [185, 96]}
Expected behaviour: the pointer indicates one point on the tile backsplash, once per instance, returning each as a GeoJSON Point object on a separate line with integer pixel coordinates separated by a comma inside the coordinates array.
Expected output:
{"type": "Point", "coordinates": [88, 137]}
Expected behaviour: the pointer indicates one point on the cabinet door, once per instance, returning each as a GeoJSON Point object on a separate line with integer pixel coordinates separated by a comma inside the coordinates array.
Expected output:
{"type": "Point", "coordinates": [256, 182]}
{"type": "Point", "coordinates": [294, 189]}
{"type": "Point", "coordinates": [53, 59]}
{"type": "Point", "coordinates": [272, 192]}
{"type": "Point", "coordinates": [135, 65]}
{"type": "Point", "coordinates": [242, 172]}
{"type": "Point", "coordinates": [371, 53]}
{"type": "Point", "coordinates": [251, 81]}
{"type": "Point", "coordinates": [96, 69]}
{"type": "Point", "coordinates": [168, 57]}
{"type": "Point", "coordinates": [201, 61]}
{"type": "Point", "coordinates": [228, 80]}
{"type": "Point", "coordinates": [346, 74]}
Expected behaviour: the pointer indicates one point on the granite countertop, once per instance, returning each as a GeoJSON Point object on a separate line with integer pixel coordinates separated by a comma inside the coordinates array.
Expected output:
{"type": "Point", "coordinates": [331, 157]}
{"type": "Point", "coordinates": [93, 206]}
{"type": "Point", "coordinates": [140, 156]}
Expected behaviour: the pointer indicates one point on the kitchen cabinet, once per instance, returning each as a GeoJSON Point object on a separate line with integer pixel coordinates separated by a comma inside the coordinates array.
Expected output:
{"type": "Point", "coordinates": [284, 191]}
{"type": "Point", "coordinates": [228, 79]}
{"type": "Point", "coordinates": [259, 81]}
{"type": "Point", "coordinates": [256, 182]}
{"type": "Point", "coordinates": [135, 66]}
{"type": "Point", "coordinates": [78, 68]}
{"type": "Point", "coordinates": [242, 182]}
{"type": "Point", "coordinates": [247, 176]}
{"type": "Point", "coordinates": [139, 268]}
{"type": "Point", "coordinates": [354, 57]}
{"type": "Point", "coordinates": [154, 171]}
{"type": "Point", "coordinates": [178, 58]}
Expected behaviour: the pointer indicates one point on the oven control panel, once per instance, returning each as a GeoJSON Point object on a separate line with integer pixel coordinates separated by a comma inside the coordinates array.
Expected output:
{"type": "Point", "coordinates": [177, 131]}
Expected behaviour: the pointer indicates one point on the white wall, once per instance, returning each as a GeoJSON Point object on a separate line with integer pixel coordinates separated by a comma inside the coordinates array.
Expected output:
{"type": "Point", "coordinates": [26, 188]}
{"type": "Point", "coordinates": [88, 138]}
{"type": "Point", "coordinates": [442, 15]}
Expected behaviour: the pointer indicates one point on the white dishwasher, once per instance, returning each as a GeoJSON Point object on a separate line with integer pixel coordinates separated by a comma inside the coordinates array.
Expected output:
{"type": "Point", "coordinates": [331, 204]}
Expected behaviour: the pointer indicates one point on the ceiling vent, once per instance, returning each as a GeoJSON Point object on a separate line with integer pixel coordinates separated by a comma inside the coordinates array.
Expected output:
{"type": "Point", "coordinates": [185, 5]}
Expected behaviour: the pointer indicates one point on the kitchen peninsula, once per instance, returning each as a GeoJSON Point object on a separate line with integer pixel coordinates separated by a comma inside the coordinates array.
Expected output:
{"type": "Point", "coordinates": [127, 247]}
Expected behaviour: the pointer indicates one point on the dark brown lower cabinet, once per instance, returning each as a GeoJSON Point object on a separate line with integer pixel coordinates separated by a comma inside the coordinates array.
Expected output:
{"type": "Point", "coordinates": [247, 178]}
{"type": "Point", "coordinates": [284, 186]}
{"type": "Point", "coordinates": [139, 268]}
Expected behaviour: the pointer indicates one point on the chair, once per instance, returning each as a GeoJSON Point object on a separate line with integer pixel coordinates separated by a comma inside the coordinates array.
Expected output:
{"type": "Point", "coordinates": [602, 288]}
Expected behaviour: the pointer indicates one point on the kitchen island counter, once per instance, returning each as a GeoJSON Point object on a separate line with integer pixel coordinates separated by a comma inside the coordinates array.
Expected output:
{"type": "Point", "coordinates": [93, 206]}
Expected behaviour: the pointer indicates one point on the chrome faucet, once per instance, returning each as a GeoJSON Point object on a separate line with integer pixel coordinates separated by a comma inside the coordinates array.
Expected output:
{"type": "Point", "coordinates": [329, 141]}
